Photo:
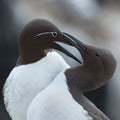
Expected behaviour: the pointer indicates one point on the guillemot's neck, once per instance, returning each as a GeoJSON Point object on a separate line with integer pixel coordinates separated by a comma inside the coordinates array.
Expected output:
{"type": "Point", "coordinates": [93, 111]}
{"type": "Point", "coordinates": [74, 88]}
{"type": "Point", "coordinates": [81, 79]}
{"type": "Point", "coordinates": [27, 58]}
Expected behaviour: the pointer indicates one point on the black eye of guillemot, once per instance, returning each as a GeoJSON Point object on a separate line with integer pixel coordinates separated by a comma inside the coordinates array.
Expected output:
{"type": "Point", "coordinates": [97, 55]}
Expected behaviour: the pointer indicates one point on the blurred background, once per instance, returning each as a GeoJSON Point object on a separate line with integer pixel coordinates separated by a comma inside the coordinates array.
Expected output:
{"type": "Point", "coordinates": [96, 22]}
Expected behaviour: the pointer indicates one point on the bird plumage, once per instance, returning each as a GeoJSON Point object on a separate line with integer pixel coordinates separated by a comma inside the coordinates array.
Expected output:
{"type": "Point", "coordinates": [56, 103]}
{"type": "Point", "coordinates": [36, 66]}
{"type": "Point", "coordinates": [63, 98]}
{"type": "Point", "coordinates": [47, 81]}
{"type": "Point", "coordinates": [26, 81]}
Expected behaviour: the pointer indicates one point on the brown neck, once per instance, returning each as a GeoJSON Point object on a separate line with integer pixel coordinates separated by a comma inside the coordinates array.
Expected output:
{"type": "Point", "coordinates": [93, 111]}
{"type": "Point", "coordinates": [85, 78]}
{"type": "Point", "coordinates": [80, 79]}
{"type": "Point", "coordinates": [77, 84]}
{"type": "Point", "coordinates": [30, 57]}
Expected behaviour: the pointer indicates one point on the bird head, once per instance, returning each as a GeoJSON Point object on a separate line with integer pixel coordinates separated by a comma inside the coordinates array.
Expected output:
{"type": "Point", "coordinates": [97, 68]}
{"type": "Point", "coordinates": [38, 36]}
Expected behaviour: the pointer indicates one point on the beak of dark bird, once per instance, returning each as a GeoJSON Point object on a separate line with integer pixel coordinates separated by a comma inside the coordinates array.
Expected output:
{"type": "Point", "coordinates": [66, 40]}
{"type": "Point", "coordinates": [81, 47]}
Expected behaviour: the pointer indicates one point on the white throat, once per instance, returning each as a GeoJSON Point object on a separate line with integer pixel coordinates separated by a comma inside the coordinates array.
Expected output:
{"type": "Point", "coordinates": [26, 81]}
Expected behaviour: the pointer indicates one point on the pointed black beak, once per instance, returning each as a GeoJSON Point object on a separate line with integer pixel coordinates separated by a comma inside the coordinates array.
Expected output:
{"type": "Point", "coordinates": [67, 40]}
{"type": "Point", "coordinates": [78, 44]}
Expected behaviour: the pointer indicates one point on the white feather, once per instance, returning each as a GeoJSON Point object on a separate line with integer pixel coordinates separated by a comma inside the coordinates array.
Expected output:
{"type": "Point", "coordinates": [56, 103]}
{"type": "Point", "coordinates": [26, 81]}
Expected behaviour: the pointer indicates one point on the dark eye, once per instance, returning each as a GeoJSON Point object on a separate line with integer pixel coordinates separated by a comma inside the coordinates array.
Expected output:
{"type": "Point", "coordinates": [54, 34]}
{"type": "Point", "coordinates": [97, 55]}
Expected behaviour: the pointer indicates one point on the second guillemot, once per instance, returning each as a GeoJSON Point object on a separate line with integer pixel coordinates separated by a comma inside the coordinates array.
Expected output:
{"type": "Point", "coordinates": [35, 68]}
{"type": "Point", "coordinates": [63, 98]}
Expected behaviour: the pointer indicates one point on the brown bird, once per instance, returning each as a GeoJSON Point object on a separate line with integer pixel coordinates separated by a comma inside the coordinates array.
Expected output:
{"type": "Point", "coordinates": [97, 68]}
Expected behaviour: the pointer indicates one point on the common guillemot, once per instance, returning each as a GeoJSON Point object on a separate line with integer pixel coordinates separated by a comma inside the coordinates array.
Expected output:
{"type": "Point", "coordinates": [35, 68]}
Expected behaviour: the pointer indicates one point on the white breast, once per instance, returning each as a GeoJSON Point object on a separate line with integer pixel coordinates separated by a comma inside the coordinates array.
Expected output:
{"type": "Point", "coordinates": [26, 81]}
{"type": "Point", "coordinates": [56, 103]}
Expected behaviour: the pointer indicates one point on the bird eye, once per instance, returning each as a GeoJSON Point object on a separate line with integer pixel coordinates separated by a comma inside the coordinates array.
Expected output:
{"type": "Point", "coordinates": [97, 55]}
{"type": "Point", "coordinates": [54, 34]}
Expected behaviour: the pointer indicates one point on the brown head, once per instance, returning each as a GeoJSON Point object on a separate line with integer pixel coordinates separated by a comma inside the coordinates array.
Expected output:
{"type": "Point", "coordinates": [97, 68]}
{"type": "Point", "coordinates": [36, 37]}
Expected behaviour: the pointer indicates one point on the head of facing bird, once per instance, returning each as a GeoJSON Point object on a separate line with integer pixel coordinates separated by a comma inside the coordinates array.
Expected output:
{"type": "Point", "coordinates": [98, 67]}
